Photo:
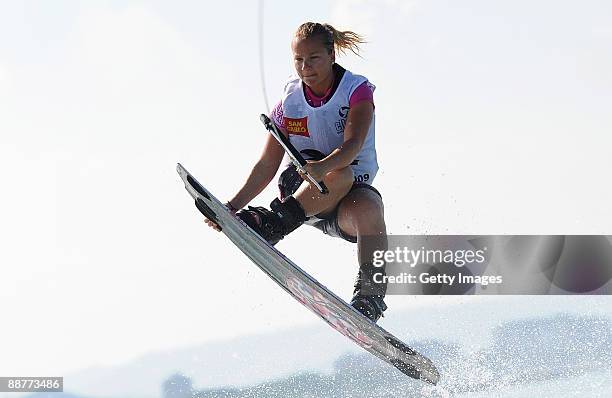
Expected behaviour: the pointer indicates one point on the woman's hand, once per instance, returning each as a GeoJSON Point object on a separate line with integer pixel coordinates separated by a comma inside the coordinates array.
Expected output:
{"type": "Point", "coordinates": [316, 169]}
{"type": "Point", "coordinates": [213, 224]}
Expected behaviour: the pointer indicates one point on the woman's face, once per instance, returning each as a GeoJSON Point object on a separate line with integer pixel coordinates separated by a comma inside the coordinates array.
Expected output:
{"type": "Point", "coordinates": [312, 61]}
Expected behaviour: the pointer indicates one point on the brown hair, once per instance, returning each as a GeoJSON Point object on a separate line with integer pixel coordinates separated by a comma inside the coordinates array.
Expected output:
{"type": "Point", "coordinates": [331, 37]}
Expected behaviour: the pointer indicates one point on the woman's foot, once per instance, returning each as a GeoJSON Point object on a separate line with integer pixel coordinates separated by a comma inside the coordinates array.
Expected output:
{"type": "Point", "coordinates": [368, 296]}
{"type": "Point", "coordinates": [273, 225]}
{"type": "Point", "coordinates": [370, 306]}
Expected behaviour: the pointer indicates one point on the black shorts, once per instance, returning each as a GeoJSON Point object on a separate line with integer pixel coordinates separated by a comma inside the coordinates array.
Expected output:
{"type": "Point", "coordinates": [290, 180]}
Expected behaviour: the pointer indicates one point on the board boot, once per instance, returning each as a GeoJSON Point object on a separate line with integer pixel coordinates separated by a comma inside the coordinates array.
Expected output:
{"type": "Point", "coordinates": [273, 225]}
{"type": "Point", "coordinates": [368, 296]}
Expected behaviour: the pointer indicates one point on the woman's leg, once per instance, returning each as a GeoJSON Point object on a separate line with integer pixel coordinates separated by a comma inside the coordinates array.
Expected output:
{"type": "Point", "coordinates": [288, 214]}
{"type": "Point", "coordinates": [338, 182]}
{"type": "Point", "coordinates": [361, 214]}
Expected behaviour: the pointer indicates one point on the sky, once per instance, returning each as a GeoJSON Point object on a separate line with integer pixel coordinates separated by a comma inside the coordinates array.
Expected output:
{"type": "Point", "coordinates": [492, 118]}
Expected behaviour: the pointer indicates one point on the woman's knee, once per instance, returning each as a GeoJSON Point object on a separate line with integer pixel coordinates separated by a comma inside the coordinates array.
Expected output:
{"type": "Point", "coordinates": [361, 212]}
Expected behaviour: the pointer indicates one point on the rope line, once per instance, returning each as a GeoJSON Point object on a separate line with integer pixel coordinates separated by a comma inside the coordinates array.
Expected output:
{"type": "Point", "coordinates": [260, 21]}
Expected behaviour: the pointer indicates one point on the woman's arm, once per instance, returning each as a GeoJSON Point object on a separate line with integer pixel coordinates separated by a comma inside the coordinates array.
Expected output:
{"type": "Point", "coordinates": [355, 132]}
{"type": "Point", "coordinates": [261, 175]}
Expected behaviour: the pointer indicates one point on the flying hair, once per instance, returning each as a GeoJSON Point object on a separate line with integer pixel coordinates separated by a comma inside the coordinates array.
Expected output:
{"type": "Point", "coordinates": [332, 38]}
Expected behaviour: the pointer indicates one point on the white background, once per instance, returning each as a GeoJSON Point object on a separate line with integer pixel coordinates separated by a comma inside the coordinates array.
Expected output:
{"type": "Point", "coordinates": [492, 118]}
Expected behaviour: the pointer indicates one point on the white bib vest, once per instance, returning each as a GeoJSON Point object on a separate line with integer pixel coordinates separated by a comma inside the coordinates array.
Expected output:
{"type": "Point", "coordinates": [316, 132]}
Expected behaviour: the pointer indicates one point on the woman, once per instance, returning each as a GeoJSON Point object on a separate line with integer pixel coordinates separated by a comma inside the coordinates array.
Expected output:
{"type": "Point", "coordinates": [328, 115]}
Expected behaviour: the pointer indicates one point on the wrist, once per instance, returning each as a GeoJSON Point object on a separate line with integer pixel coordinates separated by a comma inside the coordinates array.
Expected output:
{"type": "Point", "coordinates": [230, 206]}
